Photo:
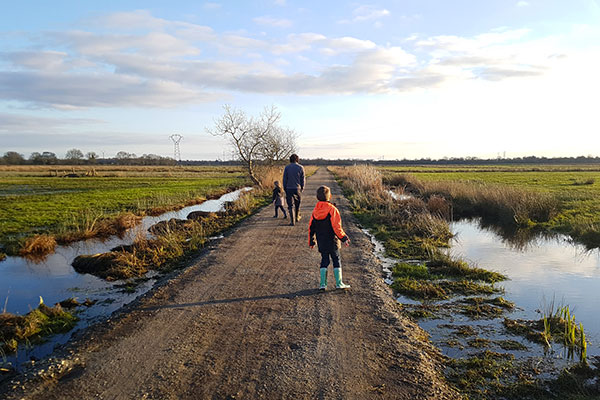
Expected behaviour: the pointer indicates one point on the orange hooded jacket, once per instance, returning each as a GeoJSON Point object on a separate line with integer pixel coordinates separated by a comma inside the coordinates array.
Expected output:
{"type": "Point", "coordinates": [326, 225]}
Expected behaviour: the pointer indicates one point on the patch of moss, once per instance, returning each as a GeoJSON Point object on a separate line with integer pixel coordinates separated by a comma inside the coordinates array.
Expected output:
{"type": "Point", "coordinates": [468, 288]}
{"type": "Point", "coordinates": [446, 266]}
{"type": "Point", "coordinates": [405, 270]}
{"type": "Point", "coordinates": [478, 343]}
{"type": "Point", "coordinates": [525, 329]}
{"type": "Point", "coordinates": [419, 290]}
{"type": "Point", "coordinates": [472, 375]}
{"type": "Point", "coordinates": [482, 311]}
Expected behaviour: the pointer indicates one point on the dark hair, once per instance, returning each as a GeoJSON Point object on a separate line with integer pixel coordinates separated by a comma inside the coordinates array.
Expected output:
{"type": "Point", "coordinates": [294, 158]}
{"type": "Point", "coordinates": [323, 193]}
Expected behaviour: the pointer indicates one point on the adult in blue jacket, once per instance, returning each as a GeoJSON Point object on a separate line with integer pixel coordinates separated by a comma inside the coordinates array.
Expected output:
{"type": "Point", "coordinates": [293, 184]}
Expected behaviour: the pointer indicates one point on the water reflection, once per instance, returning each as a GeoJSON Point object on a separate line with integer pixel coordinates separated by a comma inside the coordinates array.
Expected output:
{"type": "Point", "coordinates": [24, 280]}
{"type": "Point", "coordinates": [515, 237]}
{"type": "Point", "coordinates": [545, 268]}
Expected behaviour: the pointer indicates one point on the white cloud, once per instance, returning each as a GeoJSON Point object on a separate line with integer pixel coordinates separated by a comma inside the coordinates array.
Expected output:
{"type": "Point", "coordinates": [211, 5]}
{"type": "Point", "coordinates": [274, 22]}
{"type": "Point", "coordinates": [165, 63]}
{"type": "Point", "coordinates": [366, 13]}
{"type": "Point", "coordinates": [346, 44]}
{"type": "Point", "coordinates": [22, 123]}
{"type": "Point", "coordinates": [522, 4]}
{"type": "Point", "coordinates": [95, 90]}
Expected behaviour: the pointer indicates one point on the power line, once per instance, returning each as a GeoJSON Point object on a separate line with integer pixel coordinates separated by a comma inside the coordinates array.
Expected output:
{"type": "Point", "coordinates": [176, 138]}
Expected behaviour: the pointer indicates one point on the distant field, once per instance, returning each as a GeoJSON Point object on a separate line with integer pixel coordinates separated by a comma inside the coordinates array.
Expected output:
{"type": "Point", "coordinates": [576, 187]}
{"type": "Point", "coordinates": [33, 199]}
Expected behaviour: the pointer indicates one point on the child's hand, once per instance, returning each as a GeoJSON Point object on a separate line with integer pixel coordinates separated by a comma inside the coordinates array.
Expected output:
{"type": "Point", "coordinates": [347, 243]}
{"type": "Point", "coordinates": [312, 246]}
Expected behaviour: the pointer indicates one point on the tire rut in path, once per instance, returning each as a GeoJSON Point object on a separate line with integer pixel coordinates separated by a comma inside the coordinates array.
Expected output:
{"type": "Point", "coordinates": [246, 321]}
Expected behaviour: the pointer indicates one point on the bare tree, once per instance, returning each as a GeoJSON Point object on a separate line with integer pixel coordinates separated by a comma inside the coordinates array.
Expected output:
{"type": "Point", "coordinates": [92, 156]}
{"type": "Point", "coordinates": [255, 140]}
{"type": "Point", "coordinates": [74, 155]}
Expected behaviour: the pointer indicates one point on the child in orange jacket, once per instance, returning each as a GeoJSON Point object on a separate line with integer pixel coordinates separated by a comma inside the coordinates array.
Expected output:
{"type": "Point", "coordinates": [326, 225]}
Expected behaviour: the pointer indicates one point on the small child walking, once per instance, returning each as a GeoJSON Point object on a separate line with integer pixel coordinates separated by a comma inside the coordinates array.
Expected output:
{"type": "Point", "coordinates": [326, 225]}
{"type": "Point", "coordinates": [278, 199]}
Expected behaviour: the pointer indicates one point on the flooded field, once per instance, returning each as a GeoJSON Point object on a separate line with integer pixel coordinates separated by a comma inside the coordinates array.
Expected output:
{"type": "Point", "coordinates": [24, 280]}
{"type": "Point", "coordinates": [543, 273]}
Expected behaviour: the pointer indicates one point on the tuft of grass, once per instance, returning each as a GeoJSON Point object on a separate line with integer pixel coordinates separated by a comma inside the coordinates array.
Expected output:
{"type": "Point", "coordinates": [38, 246]}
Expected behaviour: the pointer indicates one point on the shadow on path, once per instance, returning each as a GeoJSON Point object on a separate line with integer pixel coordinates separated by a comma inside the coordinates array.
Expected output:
{"type": "Point", "coordinates": [290, 296]}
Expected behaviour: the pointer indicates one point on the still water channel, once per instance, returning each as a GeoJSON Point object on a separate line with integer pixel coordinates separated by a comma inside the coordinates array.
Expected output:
{"type": "Point", "coordinates": [23, 281]}
{"type": "Point", "coordinates": [541, 272]}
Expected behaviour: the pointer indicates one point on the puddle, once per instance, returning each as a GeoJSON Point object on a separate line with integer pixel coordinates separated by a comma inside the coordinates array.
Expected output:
{"type": "Point", "coordinates": [24, 281]}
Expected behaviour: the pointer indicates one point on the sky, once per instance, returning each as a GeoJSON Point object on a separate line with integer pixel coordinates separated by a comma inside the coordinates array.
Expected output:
{"type": "Point", "coordinates": [403, 79]}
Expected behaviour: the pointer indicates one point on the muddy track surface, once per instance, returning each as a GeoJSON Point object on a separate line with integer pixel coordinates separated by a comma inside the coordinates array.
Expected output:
{"type": "Point", "coordinates": [246, 321]}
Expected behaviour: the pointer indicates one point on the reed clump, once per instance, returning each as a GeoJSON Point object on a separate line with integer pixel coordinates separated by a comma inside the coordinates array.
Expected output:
{"type": "Point", "coordinates": [38, 246]}
{"type": "Point", "coordinates": [555, 326]}
{"type": "Point", "coordinates": [501, 203]}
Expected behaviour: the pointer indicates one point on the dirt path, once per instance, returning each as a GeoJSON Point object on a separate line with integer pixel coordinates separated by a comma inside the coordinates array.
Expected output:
{"type": "Point", "coordinates": [246, 322]}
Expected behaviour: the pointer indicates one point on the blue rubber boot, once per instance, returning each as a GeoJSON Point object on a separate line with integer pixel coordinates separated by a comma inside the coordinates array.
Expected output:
{"type": "Point", "coordinates": [337, 273]}
{"type": "Point", "coordinates": [323, 284]}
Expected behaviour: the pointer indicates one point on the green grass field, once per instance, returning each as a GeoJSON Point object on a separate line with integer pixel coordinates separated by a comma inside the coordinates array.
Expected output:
{"type": "Point", "coordinates": [576, 187]}
{"type": "Point", "coordinates": [33, 202]}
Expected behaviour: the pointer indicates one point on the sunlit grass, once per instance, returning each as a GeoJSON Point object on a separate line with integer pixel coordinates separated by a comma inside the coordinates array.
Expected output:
{"type": "Point", "coordinates": [74, 208]}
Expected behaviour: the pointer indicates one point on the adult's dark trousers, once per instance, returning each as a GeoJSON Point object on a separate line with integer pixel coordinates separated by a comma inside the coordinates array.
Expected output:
{"type": "Point", "coordinates": [293, 198]}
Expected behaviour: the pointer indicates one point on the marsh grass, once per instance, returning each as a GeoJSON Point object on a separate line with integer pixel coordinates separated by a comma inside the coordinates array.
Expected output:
{"type": "Point", "coordinates": [78, 208]}
{"type": "Point", "coordinates": [557, 325]}
{"type": "Point", "coordinates": [503, 204]}
{"type": "Point", "coordinates": [544, 198]}
{"type": "Point", "coordinates": [412, 229]}
{"type": "Point", "coordinates": [34, 326]}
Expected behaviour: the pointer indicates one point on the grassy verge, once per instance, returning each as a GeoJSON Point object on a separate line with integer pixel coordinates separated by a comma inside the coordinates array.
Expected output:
{"type": "Point", "coordinates": [413, 230]}
{"type": "Point", "coordinates": [33, 327]}
{"type": "Point", "coordinates": [174, 242]}
{"type": "Point", "coordinates": [555, 199]}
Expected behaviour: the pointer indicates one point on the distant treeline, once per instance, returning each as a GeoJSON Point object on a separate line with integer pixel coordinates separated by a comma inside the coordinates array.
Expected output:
{"type": "Point", "coordinates": [76, 157]}
{"type": "Point", "coordinates": [462, 161]}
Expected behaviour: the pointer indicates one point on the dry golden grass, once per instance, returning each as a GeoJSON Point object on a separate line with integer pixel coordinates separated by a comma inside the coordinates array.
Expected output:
{"type": "Point", "coordinates": [114, 170]}
{"type": "Point", "coordinates": [38, 246]}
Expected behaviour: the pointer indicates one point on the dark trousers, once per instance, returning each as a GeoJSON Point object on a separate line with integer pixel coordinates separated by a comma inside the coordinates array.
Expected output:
{"type": "Point", "coordinates": [293, 198]}
{"type": "Point", "coordinates": [282, 210]}
{"type": "Point", "coordinates": [335, 258]}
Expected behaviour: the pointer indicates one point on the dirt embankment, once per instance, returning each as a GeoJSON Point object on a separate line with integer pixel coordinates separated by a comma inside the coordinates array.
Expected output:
{"type": "Point", "coordinates": [246, 321]}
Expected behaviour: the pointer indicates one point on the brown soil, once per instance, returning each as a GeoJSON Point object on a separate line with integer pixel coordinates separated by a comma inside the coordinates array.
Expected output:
{"type": "Point", "coordinates": [245, 321]}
